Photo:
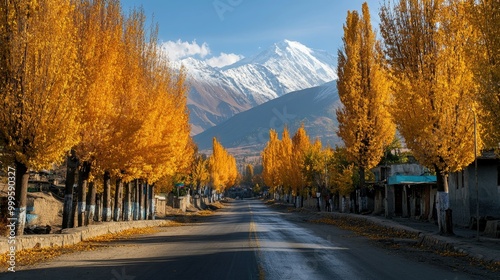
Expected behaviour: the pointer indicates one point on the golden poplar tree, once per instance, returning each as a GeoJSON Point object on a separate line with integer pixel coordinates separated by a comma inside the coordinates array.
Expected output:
{"type": "Point", "coordinates": [486, 20]}
{"type": "Point", "coordinates": [222, 168]}
{"type": "Point", "coordinates": [99, 38]}
{"type": "Point", "coordinates": [300, 145]}
{"type": "Point", "coordinates": [270, 162]}
{"type": "Point", "coordinates": [40, 77]}
{"type": "Point", "coordinates": [285, 161]}
{"type": "Point", "coordinates": [313, 169]}
{"type": "Point", "coordinates": [365, 125]}
{"type": "Point", "coordinates": [427, 45]}
{"type": "Point", "coordinates": [151, 138]}
{"type": "Point", "coordinates": [341, 172]}
{"type": "Point", "coordinates": [249, 173]}
{"type": "Point", "coordinates": [100, 48]}
{"type": "Point", "coordinates": [199, 174]}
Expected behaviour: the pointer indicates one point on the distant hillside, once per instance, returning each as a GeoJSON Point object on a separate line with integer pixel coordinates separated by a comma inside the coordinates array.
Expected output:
{"type": "Point", "coordinates": [248, 132]}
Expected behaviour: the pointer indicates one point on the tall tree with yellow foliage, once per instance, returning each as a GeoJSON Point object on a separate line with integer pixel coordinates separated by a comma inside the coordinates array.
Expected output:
{"type": "Point", "coordinates": [285, 155]}
{"type": "Point", "coordinates": [486, 20]}
{"type": "Point", "coordinates": [300, 145]}
{"type": "Point", "coordinates": [222, 168]}
{"type": "Point", "coordinates": [199, 174]}
{"type": "Point", "coordinates": [155, 121]}
{"type": "Point", "coordinates": [40, 77]}
{"type": "Point", "coordinates": [270, 162]}
{"type": "Point", "coordinates": [314, 166]}
{"type": "Point", "coordinates": [427, 43]}
{"type": "Point", "coordinates": [99, 38]}
{"type": "Point", "coordinates": [365, 125]}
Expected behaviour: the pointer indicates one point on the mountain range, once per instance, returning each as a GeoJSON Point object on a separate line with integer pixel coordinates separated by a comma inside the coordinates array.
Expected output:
{"type": "Point", "coordinates": [217, 94]}
{"type": "Point", "coordinates": [247, 133]}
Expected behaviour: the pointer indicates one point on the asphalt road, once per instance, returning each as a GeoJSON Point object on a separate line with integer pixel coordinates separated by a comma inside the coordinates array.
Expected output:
{"type": "Point", "coordinates": [246, 240]}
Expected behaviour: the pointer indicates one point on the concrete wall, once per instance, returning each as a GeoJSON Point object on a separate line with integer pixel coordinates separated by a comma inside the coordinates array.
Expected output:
{"type": "Point", "coordinates": [73, 235]}
{"type": "Point", "coordinates": [463, 196]}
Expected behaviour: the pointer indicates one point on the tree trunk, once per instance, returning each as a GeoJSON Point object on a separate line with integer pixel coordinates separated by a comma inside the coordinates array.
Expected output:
{"type": "Point", "coordinates": [83, 179]}
{"type": "Point", "coordinates": [127, 215]}
{"type": "Point", "coordinates": [71, 167]}
{"type": "Point", "coordinates": [91, 200]}
{"type": "Point", "coordinates": [118, 199]}
{"type": "Point", "coordinates": [363, 199]}
{"type": "Point", "coordinates": [443, 204]}
{"type": "Point", "coordinates": [135, 208]}
{"type": "Point", "coordinates": [21, 193]}
{"type": "Point", "coordinates": [98, 208]}
{"type": "Point", "coordinates": [146, 201]}
{"type": "Point", "coordinates": [106, 207]}
{"type": "Point", "coordinates": [151, 202]}
{"type": "Point", "coordinates": [141, 201]}
{"type": "Point", "coordinates": [74, 212]}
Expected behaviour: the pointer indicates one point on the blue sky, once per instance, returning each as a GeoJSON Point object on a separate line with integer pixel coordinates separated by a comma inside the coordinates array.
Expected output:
{"type": "Point", "coordinates": [223, 31]}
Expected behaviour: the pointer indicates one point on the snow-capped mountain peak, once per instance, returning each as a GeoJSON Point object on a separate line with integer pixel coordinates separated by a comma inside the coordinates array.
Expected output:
{"type": "Point", "coordinates": [284, 67]}
{"type": "Point", "coordinates": [287, 65]}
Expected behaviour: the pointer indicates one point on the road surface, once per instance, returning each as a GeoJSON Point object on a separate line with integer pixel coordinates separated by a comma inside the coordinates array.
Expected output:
{"type": "Point", "coordinates": [246, 240]}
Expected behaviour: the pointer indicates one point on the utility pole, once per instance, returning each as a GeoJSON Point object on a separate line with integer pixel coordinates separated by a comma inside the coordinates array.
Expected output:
{"type": "Point", "coordinates": [475, 167]}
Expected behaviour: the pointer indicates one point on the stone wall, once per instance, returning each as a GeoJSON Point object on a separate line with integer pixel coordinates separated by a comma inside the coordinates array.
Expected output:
{"type": "Point", "coordinates": [73, 235]}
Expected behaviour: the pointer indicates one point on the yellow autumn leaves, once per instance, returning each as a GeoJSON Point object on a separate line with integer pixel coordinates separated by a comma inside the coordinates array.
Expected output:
{"type": "Point", "coordinates": [432, 74]}
{"type": "Point", "coordinates": [82, 75]}
{"type": "Point", "coordinates": [434, 71]}
{"type": "Point", "coordinates": [222, 168]}
{"type": "Point", "coordinates": [297, 166]}
{"type": "Point", "coordinates": [40, 76]}
{"type": "Point", "coordinates": [430, 48]}
{"type": "Point", "coordinates": [365, 124]}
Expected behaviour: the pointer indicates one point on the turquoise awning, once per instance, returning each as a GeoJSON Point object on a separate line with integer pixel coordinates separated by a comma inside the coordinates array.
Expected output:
{"type": "Point", "coordinates": [411, 179]}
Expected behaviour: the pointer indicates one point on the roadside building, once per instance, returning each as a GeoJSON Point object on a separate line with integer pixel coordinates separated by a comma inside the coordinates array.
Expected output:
{"type": "Point", "coordinates": [465, 194]}
{"type": "Point", "coordinates": [404, 190]}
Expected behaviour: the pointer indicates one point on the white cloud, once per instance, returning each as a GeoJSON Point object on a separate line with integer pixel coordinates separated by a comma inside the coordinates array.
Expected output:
{"type": "Point", "coordinates": [223, 59]}
{"type": "Point", "coordinates": [179, 49]}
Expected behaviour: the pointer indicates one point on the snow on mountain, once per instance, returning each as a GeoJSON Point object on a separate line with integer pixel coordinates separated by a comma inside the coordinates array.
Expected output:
{"type": "Point", "coordinates": [248, 132]}
{"type": "Point", "coordinates": [284, 67]}
{"type": "Point", "coordinates": [292, 64]}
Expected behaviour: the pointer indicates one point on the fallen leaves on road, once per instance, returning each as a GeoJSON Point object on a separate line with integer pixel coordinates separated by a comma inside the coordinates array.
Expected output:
{"type": "Point", "coordinates": [204, 213]}
{"type": "Point", "coordinates": [35, 255]}
{"type": "Point", "coordinates": [388, 235]}
{"type": "Point", "coordinates": [172, 223]}
{"type": "Point", "coordinates": [366, 228]}
{"type": "Point", "coordinates": [122, 234]}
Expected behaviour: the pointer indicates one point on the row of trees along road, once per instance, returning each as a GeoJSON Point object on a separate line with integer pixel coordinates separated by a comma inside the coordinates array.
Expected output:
{"type": "Point", "coordinates": [81, 76]}
{"type": "Point", "coordinates": [218, 172]}
{"type": "Point", "coordinates": [298, 166]}
{"type": "Point", "coordinates": [435, 70]}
